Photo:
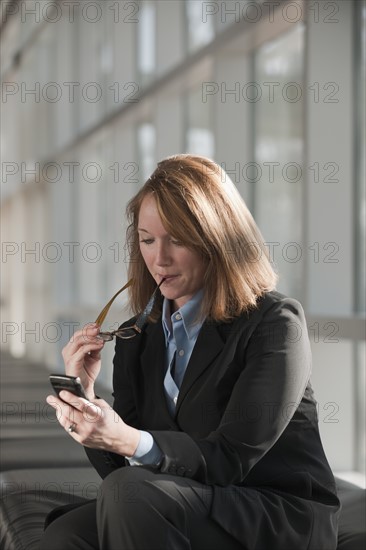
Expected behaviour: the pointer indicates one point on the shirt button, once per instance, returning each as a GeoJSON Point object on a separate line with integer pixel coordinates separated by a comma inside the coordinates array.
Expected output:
{"type": "Point", "coordinates": [178, 317]}
{"type": "Point", "coordinates": [181, 352]}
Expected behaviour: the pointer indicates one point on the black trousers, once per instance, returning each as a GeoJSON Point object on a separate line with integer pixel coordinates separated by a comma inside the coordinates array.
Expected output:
{"type": "Point", "coordinates": [140, 509]}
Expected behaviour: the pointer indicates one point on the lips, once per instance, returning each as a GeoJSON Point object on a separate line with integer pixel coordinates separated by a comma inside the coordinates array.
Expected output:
{"type": "Point", "coordinates": [167, 277]}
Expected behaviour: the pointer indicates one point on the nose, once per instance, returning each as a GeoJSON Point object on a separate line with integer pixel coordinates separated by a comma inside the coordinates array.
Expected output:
{"type": "Point", "coordinates": [163, 256]}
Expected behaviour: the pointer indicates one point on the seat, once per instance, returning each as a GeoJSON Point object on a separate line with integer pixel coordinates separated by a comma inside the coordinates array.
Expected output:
{"type": "Point", "coordinates": [352, 521]}
{"type": "Point", "coordinates": [27, 496]}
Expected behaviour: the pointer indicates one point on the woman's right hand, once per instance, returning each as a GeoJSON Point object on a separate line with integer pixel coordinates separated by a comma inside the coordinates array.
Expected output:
{"type": "Point", "coordinates": [82, 357]}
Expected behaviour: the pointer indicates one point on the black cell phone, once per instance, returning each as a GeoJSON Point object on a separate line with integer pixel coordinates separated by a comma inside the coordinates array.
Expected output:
{"type": "Point", "coordinates": [70, 383]}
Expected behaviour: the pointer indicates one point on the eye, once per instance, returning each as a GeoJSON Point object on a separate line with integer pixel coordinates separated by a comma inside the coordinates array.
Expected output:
{"type": "Point", "coordinates": [147, 241]}
{"type": "Point", "coordinates": [177, 243]}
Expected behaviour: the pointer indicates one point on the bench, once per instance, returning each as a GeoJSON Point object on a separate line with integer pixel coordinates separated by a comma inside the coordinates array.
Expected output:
{"type": "Point", "coordinates": [43, 468]}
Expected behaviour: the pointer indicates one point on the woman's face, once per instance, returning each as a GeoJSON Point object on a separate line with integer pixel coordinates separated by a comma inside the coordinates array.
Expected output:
{"type": "Point", "coordinates": [166, 257]}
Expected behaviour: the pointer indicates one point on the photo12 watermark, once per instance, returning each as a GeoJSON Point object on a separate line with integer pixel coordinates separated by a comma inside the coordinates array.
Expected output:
{"type": "Point", "coordinates": [41, 11]}
{"type": "Point", "coordinates": [72, 172]}
{"type": "Point", "coordinates": [227, 12]}
{"type": "Point", "coordinates": [270, 92]}
{"type": "Point", "coordinates": [69, 92]}
{"type": "Point", "coordinates": [35, 332]}
{"type": "Point", "coordinates": [92, 252]}
{"type": "Point", "coordinates": [268, 412]}
{"type": "Point", "coordinates": [75, 172]}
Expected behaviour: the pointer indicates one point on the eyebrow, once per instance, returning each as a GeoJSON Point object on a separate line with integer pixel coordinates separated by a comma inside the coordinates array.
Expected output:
{"type": "Point", "coordinates": [145, 230]}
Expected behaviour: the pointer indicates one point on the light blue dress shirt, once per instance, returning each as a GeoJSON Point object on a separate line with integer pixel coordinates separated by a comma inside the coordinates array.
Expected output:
{"type": "Point", "coordinates": [181, 330]}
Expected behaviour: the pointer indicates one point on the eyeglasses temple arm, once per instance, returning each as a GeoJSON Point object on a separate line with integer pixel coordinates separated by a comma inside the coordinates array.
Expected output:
{"type": "Point", "coordinates": [142, 318]}
{"type": "Point", "coordinates": [102, 315]}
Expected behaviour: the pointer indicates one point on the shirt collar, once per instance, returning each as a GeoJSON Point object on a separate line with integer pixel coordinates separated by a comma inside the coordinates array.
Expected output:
{"type": "Point", "coordinates": [189, 312]}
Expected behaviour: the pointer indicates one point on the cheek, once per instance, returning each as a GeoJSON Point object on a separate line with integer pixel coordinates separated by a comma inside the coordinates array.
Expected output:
{"type": "Point", "coordinates": [201, 267]}
{"type": "Point", "coordinates": [145, 255]}
{"type": "Point", "coordinates": [148, 256]}
{"type": "Point", "coordinates": [196, 264]}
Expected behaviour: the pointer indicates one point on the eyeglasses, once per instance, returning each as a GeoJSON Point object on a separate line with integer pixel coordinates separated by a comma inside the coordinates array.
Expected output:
{"type": "Point", "coordinates": [127, 332]}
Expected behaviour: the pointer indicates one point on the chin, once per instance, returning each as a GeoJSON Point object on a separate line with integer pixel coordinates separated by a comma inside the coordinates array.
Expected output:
{"type": "Point", "coordinates": [170, 295]}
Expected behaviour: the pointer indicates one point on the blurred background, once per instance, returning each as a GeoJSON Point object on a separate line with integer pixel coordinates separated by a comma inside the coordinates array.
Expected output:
{"type": "Point", "coordinates": [94, 93]}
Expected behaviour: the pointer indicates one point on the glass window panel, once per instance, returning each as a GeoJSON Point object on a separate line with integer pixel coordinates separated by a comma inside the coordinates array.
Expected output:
{"type": "Point", "coordinates": [63, 198]}
{"type": "Point", "coordinates": [45, 73]}
{"type": "Point", "coordinates": [65, 62]}
{"type": "Point", "coordinates": [29, 109]}
{"type": "Point", "coordinates": [360, 159]}
{"type": "Point", "coordinates": [90, 230]}
{"type": "Point", "coordinates": [277, 171]}
{"type": "Point", "coordinates": [361, 230]}
{"type": "Point", "coordinates": [10, 40]}
{"type": "Point", "coordinates": [231, 12]}
{"type": "Point", "coordinates": [200, 25]}
{"type": "Point", "coordinates": [199, 134]}
{"type": "Point", "coordinates": [333, 360]}
{"type": "Point", "coordinates": [146, 41]}
{"type": "Point", "coordinates": [146, 146]}
{"type": "Point", "coordinates": [361, 406]}
{"type": "Point", "coordinates": [30, 15]}
{"type": "Point", "coordinates": [91, 91]}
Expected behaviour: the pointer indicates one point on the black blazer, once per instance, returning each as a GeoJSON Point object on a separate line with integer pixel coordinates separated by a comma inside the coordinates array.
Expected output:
{"type": "Point", "coordinates": [245, 422]}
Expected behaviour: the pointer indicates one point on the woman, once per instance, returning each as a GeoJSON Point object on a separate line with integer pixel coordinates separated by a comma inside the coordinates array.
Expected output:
{"type": "Point", "coordinates": [212, 441]}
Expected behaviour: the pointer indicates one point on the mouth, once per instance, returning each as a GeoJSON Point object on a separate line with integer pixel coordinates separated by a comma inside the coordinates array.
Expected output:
{"type": "Point", "coordinates": [167, 278]}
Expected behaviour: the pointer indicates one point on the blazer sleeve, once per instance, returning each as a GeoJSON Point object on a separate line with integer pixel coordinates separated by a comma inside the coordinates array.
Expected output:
{"type": "Point", "coordinates": [275, 371]}
{"type": "Point", "coordinates": [104, 461]}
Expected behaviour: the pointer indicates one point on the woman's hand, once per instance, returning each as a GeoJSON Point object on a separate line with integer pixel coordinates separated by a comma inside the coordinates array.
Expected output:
{"type": "Point", "coordinates": [82, 357]}
{"type": "Point", "coordinates": [95, 424]}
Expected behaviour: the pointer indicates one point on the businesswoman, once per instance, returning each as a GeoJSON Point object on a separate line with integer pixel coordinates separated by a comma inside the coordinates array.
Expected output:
{"type": "Point", "coordinates": [213, 440]}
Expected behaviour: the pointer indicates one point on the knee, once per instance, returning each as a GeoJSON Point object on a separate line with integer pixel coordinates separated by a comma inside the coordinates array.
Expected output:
{"type": "Point", "coordinates": [124, 487]}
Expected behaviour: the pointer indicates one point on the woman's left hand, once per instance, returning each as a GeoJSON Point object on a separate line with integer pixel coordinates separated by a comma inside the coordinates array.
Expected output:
{"type": "Point", "coordinates": [94, 424]}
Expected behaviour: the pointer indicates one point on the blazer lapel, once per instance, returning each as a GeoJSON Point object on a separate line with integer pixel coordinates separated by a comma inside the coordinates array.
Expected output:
{"type": "Point", "coordinates": [152, 364]}
{"type": "Point", "coordinates": [208, 345]}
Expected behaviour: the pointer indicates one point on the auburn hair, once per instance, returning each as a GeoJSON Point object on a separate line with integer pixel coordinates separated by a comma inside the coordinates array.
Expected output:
{"type": "Point", "coordinates": [200, 206]}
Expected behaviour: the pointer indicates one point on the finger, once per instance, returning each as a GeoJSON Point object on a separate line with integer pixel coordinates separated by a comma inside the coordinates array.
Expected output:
{"type": "Point", "coordinates": [66, 408]}
{"type": "Point", "coordinates": [91, 412]}
{"type": "Point", "coordinates": [81, 337]}
{"type": "Point", "coordinates": [86, 334]}
{"type": "Point", "coordinates": [72, 429]}
{"type": "Point", "coordinates": [93, 347]}
{"type": "Point", "coordinates": [72, 399]}
{"type": "Point", "coordinates": [65, 412]}
{"type": "Point", "coordinates": [55, 402]}
{"type": "Point", "coordinates": [81, 404]}
{"type": "Point", "coordinates": [95, 353]}
{"type": "Point", "coordinates": [60, 404]}
{"type": "Point", "coordinates": [77, 354]}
